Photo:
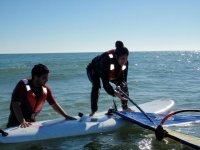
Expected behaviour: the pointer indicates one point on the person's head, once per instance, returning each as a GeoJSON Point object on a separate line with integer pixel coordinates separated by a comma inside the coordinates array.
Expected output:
{"type": "Point", "coordinates": [40, 74]}
{"type": "Point", "coordinates": [119, 44]}
{"type": "Point", "coordinates": [121, 53]}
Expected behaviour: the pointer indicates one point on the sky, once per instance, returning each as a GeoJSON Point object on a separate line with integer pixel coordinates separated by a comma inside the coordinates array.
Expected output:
{"type": "Point", "coordinates": [54, 26]}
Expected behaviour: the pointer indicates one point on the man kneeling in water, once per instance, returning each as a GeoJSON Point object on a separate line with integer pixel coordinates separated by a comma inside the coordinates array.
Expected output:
{"type": "Point", "coordinates": [29, 97]}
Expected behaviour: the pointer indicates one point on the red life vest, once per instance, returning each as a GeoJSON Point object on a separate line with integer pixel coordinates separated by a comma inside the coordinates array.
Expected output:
{"type": "Point", "coordinates": [35, 103]}
{"type": "Point", "coordinates": [112, 73]}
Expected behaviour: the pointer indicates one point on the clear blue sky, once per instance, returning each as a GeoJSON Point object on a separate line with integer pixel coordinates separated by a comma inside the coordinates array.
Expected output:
{"type": "Point", "coordinates": [32, 26]}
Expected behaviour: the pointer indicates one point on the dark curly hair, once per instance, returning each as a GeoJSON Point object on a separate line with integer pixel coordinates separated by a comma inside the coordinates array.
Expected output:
{"type": "Point", "coordinates": [39, 70]}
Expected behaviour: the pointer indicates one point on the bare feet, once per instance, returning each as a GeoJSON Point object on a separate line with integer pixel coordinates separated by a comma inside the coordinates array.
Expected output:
{"type": "Point", "coordinates": [92, 114]}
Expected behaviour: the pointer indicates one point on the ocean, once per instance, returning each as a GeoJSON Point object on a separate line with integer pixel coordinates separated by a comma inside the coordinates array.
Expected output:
{"type": "Point", "coordinates": [151, 76]}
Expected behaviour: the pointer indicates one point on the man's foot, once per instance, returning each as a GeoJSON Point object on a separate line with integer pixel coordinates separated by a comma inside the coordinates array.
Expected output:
{"type": "Point", "coordinates": [91, 114]}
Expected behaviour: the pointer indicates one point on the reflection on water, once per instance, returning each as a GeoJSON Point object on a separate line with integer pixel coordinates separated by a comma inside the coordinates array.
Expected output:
{"type": "Point", "coordinates": [145, 144]}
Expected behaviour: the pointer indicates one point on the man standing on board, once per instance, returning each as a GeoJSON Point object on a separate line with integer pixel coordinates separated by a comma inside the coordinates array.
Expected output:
{"type": "Point", "coordinates": [29, 97]}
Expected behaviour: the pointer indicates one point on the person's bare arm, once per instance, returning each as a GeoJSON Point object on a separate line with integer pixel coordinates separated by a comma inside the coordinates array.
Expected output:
{"type": "Point", "coordinates": [19, 115]}
{"type": "Point", "coordinates": [59, 110]}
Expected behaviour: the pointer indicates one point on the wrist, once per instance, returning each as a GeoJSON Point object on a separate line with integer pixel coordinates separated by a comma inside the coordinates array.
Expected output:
{"type": "Point", "coordinates": [22, 120]}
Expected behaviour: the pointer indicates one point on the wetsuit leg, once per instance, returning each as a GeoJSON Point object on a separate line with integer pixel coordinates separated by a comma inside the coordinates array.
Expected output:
{"type": "Point", "coordinates": [95, 80]}
{"type": "Point", "coordinates": [124, 88]}
{"type": "Point", "coordinates": [124, 104]}
{"type": "Point", "coordinates": [95, 94]}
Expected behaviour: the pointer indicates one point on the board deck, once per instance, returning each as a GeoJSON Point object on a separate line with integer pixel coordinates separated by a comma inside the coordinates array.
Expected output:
{"type": "Point", "coordinates": [58, 128]}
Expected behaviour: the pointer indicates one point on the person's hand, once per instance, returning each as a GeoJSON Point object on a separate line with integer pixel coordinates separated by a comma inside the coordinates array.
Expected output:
{"type": "Point", "coordinates": [25, 124]}
{"type": "Point", "coordinates": [124, 99]}
{"type": "Point", "coordinates": [117, 94]}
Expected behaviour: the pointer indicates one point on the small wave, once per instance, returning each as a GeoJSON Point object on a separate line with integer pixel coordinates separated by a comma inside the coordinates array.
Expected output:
{"type": "Point", "coordinates": [14, 70]}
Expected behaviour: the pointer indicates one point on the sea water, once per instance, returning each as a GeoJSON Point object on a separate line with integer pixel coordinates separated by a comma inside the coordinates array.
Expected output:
{"type": "Point", "coordinates": [151, 76]}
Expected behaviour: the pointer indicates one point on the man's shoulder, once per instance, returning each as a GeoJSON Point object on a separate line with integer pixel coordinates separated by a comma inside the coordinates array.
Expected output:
{"type": "Point", "coordinates": [20, 87]}
{"type": "Point", "coordinates": [21, 82]}
{"type": "Point", "coordinates": [24, 81]}
{"type": "Point", "coordinates": [47, 87]}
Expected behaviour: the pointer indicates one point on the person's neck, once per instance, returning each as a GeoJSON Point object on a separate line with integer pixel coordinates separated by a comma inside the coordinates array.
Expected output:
{"type": "Point", "coordinates": [35, 84]}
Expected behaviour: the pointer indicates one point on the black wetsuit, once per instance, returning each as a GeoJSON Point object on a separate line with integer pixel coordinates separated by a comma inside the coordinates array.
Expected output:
{"type": "Point", "coordinates": [100, 68]}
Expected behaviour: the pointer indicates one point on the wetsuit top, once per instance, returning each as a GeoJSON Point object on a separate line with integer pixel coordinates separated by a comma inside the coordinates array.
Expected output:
{"type": "Point", "coordinates": [107, 67]}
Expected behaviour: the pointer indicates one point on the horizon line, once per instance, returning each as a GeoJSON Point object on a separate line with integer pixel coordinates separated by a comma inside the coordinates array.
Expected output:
{"type": "Point", "coordinates": [100, 52]}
